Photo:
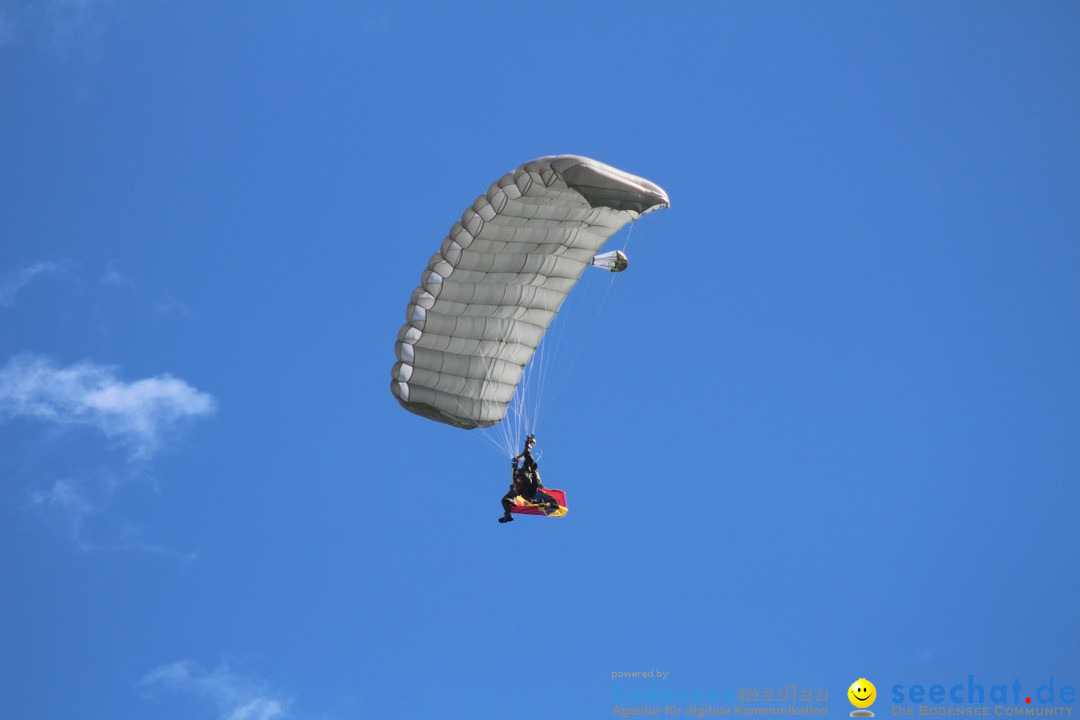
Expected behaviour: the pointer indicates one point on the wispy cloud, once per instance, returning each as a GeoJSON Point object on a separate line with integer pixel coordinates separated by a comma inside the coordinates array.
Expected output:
{"type": "Point", "coordinates": [12, 283]}
{"type": "Point", "coordinates": [59, 25]}
{"type": "Point", "coordinates": [68, 502]}
{"type": "Point", "coordinates": [74, 21]}
{"type": "Point", "coordinates": [235, 696]}
{"type": "Point", "coordinates": [80, 507]}
{"type": "Point", "coordinates": [114, 277]}
{"type": "Point", "coordinates": [138, 414]}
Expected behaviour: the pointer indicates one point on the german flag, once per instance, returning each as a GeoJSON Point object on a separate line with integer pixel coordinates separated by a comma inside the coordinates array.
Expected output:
{"type": "Point", "coordinates": [553, 505]}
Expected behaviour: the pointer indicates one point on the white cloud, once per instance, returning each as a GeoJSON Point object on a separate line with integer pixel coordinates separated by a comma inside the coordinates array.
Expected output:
{"type": "Point", "coordinates": [68, 502]}
{"type": "Point", "coordinates": [114, 277]}
{"type": "Point", "coordinates": [138, 414]}
{"type": "Point", "coordinates": [12, 283]}
{"type": "Point", "coordinates": [235, 696]}
{"type": "Point", "coordinates": [74, 21]}
{"type": "Point", "coordinates": [64, 494]}
{"type": "Point", "coordinates": [81, 509]}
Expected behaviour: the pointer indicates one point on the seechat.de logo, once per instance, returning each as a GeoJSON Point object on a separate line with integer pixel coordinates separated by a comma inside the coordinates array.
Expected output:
{"type": "Point", "coordinates": [862, 695]}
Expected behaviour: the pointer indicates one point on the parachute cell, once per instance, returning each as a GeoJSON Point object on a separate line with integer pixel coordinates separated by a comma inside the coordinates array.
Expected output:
{"type": "Point", "coordinates": [489, 294]}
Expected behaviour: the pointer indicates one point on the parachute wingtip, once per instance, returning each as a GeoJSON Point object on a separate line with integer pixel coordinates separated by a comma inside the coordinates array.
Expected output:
{"type": "Point", "coordinates": [614, 261]}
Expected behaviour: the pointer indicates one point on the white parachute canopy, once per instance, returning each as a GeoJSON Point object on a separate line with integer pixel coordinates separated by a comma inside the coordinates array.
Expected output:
{"type": "Point", "coordinates": [489, 294]}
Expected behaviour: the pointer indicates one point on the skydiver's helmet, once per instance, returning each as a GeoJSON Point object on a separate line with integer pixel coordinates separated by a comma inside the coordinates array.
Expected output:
{"type": "Point", "coordinates": [530, 441]}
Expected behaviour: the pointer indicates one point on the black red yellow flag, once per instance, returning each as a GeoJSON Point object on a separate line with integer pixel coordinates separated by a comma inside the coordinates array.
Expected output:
{"type": "Point", "coordinates": [554, 505]}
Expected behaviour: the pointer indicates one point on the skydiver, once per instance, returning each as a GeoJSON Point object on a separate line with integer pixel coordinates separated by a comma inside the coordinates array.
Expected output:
{"type": "Point", "coordinates": [525, 482]}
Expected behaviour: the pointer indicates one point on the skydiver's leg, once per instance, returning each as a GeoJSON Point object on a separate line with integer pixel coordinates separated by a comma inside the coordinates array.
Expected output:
{"type": "Point", "coordinates": [507, 503]}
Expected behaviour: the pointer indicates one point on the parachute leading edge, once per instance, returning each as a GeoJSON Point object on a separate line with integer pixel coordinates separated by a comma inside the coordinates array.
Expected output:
{"type": "Point", "coordinates": [489, 294]}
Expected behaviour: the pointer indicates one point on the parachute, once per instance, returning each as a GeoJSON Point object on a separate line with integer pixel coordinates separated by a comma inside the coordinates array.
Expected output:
{"type": "Point", "coordinates": [489, 294]}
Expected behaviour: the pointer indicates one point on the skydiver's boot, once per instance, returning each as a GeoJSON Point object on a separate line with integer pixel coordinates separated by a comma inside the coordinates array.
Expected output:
{"type": "Point", "coordinates": [507, 503]}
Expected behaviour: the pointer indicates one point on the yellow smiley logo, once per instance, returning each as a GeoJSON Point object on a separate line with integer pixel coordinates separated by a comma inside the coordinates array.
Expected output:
{"type": "Point", "coordinates": [862, 693]}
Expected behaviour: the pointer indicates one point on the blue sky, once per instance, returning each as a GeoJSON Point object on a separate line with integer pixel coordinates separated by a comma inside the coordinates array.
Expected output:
{"type": "Point", "coordinates": [824, 428]}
